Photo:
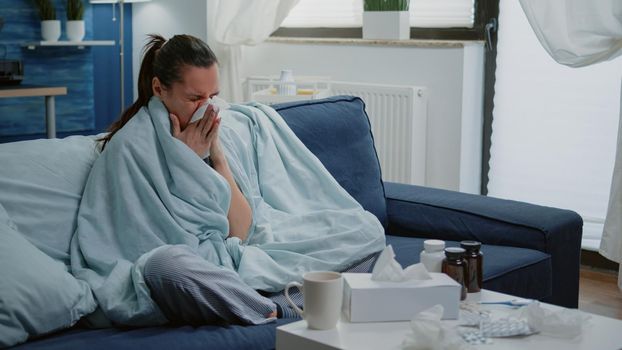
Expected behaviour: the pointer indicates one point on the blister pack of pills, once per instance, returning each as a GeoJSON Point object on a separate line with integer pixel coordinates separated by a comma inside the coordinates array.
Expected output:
{"type": "Point", "coordinates": [504, 327]}
{"type": "Point", "coordinates": [474, 337]}
{"type": "Point", "coordinates": [470, 318]}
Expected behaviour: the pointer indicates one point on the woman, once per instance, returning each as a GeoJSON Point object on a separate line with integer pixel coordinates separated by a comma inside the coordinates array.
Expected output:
{"type": "Point", "coordinates": [162, 236]}
{"type": "Point", "coordinates": [183, 73]}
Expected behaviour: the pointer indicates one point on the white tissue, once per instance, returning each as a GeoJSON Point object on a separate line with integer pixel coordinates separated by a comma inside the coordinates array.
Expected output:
{"type": "Point", "coordinates": [388, 269]}
{"type": "Point", "coordinates": [428, 332]}
{"type": "Point", "coordinates": [564, 323]}
{"type": "Point", "coordinates": [416, 272]}
{"type": "Point", "coordinates": [215, 101]}
{"type": "Point", "coordinates": [198, 114]}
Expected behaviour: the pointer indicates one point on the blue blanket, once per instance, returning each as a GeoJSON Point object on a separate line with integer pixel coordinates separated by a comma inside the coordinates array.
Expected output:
{"type": "Point", "coordinates": [148, 190]}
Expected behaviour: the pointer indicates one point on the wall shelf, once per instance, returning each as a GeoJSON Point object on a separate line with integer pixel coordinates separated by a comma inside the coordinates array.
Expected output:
{"type": "Point", "coordinates": [78, 44]}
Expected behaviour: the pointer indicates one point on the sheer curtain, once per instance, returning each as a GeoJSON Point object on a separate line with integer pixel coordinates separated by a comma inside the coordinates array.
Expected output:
{"type": "Point", "coordinates": [578, 33]}
{"type": "Point", "coordinates": [234, 23]}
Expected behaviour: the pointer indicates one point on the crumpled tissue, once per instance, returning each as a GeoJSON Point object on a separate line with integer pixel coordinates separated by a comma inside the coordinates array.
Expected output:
{"type": "Point", "coordinates": [388, 269]}
{"type": "Point", "coordinates": [564, 323]}
{"type": "Point", "coordinates": [428, 332]}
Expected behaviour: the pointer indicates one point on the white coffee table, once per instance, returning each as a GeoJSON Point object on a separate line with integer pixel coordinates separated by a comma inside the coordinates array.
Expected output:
{"type": "Point", "coordinates": [600, 333]}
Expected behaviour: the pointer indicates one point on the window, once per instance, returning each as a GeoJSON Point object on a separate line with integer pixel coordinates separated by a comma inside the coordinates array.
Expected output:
{"type": "Point", "coordinates": [325, 14]}
{"type": "Point", "coordinates": [555, 127]}
{"type": "Point", "coordinates": [349, 13]}
{"type": "Point", "coordinates": [429, 19]}
{"type": "Point", "coordinates": [343, 19]}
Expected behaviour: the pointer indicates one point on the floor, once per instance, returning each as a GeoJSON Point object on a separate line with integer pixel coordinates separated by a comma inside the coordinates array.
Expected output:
{"type": "Point", "coordinates": [599, 293]}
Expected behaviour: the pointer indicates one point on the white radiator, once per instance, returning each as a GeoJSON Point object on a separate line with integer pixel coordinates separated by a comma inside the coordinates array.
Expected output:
{"type": "Point", "coordinates": [398, 116]}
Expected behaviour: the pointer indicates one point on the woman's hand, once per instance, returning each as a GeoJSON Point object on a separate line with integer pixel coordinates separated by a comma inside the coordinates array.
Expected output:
{"type": "Point", "coordinates": [202, 135]}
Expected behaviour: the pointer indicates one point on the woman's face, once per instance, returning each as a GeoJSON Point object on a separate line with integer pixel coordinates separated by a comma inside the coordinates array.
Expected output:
{"type": "Point", "coordinates": [183, 98]}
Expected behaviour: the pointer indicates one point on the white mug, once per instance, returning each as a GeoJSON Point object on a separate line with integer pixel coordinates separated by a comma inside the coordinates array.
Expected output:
{"type": "Point", "coordinates": [322, 294]}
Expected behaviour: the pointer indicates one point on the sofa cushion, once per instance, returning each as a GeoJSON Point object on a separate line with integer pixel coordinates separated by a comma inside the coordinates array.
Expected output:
{"type": "Point", "coordinates": [42, 187]}
{"type": "Point", "coordinates": [338, 132]}
{"type": "Point", "coordinates": [518, 271]}
{"type": "Point", "coordinates": [37, 294]}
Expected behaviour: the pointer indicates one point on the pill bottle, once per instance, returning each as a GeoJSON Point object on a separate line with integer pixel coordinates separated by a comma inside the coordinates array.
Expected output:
{"type": "Point", "coordinates": [474, 259]}
{"type": "Point", "coordinates": [432, 255]}
{"type": "Point", "coordinates": [455, 267]}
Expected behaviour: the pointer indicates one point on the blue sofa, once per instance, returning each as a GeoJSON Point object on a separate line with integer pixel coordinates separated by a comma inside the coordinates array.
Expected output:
{"type": "Point", "coordinates": [529, 251]}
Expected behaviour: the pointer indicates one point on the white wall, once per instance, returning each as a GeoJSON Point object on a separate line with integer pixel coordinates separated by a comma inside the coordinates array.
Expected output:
{"type": "Point", "coordinates": [166, 18]}
{"type": "Point", "coordinates": [441, 70]}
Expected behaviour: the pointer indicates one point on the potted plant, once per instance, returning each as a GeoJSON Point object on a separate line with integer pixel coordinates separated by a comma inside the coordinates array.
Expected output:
{"type": "Point", "coordinates": [75, 21]}
{"type": "Point", "coordinates": [50, 26]}
{"type": "Point", "coordinates": [386, 19]}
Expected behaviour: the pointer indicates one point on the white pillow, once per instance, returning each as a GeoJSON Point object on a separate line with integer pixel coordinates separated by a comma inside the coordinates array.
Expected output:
{"type": "Point", "coordinates": [37, 294]}
{"type": "Point", "coordinates": [42, 183]}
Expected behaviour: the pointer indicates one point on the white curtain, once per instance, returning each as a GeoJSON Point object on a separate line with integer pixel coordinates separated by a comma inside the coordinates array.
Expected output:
{"type": "Point", "coordinates": [611, 243]}
{"type": "Point", "coordinates": [578, 33]}
{"type": "Point", "coordinates": [234, 23]}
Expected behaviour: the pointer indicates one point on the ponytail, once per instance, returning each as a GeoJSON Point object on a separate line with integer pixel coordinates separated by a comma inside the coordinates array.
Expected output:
{"type": "Point", "coordinates": [145, 91]}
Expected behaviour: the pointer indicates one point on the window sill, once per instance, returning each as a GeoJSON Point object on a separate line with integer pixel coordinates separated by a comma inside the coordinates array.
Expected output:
{"type": "Point", "coordinates": [367, 42]}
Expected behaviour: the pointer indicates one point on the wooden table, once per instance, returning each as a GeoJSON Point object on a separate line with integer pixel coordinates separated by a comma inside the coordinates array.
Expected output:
{"type": "Point", "coordinates": [38, 90]}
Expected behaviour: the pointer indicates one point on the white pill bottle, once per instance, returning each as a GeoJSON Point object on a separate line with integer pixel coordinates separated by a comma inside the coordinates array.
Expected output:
{"type": "Point", "coordinates": [433, 254]}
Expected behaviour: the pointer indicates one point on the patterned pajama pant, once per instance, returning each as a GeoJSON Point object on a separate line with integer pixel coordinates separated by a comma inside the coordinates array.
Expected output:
{"type": "Point", "coordinates": [190, 290]}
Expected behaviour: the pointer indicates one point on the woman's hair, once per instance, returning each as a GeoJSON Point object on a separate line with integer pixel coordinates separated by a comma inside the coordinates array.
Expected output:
{"type": "Point", "coordinates": [165, 60]}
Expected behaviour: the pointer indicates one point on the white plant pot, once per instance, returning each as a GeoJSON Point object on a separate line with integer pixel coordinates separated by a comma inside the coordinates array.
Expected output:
{"type": "Point", "coordinates": [386, 25]}
{"type": "Point", "coordinates": [50, 30]}
{"type": "Point", "coordinates": [75, 30]}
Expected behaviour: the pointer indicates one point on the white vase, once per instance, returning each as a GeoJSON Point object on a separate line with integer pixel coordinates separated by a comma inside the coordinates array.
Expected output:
{"type": "Point", "coordinates": [386, 25]}
{"type": "Point", "coordinates": [50, 30]}
{"type": "Point", "coordinates": [75, 30]}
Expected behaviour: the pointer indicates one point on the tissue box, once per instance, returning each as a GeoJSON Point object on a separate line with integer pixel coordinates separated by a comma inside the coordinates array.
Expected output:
{"type": "Point", "coordinates": [365, 300]}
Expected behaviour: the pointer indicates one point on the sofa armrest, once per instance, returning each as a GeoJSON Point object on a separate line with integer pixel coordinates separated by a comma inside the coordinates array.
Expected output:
{"type": "Point", "coordinates": [433, 213]}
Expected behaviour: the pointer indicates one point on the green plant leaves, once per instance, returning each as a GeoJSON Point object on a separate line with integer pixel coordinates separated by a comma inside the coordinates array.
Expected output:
{"type": "Point", "coordinates": [386, 5]}
{"type": "Point", "coordinates": [46, 8]}
{"type": "Point", "coordinates": [75, 10]}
